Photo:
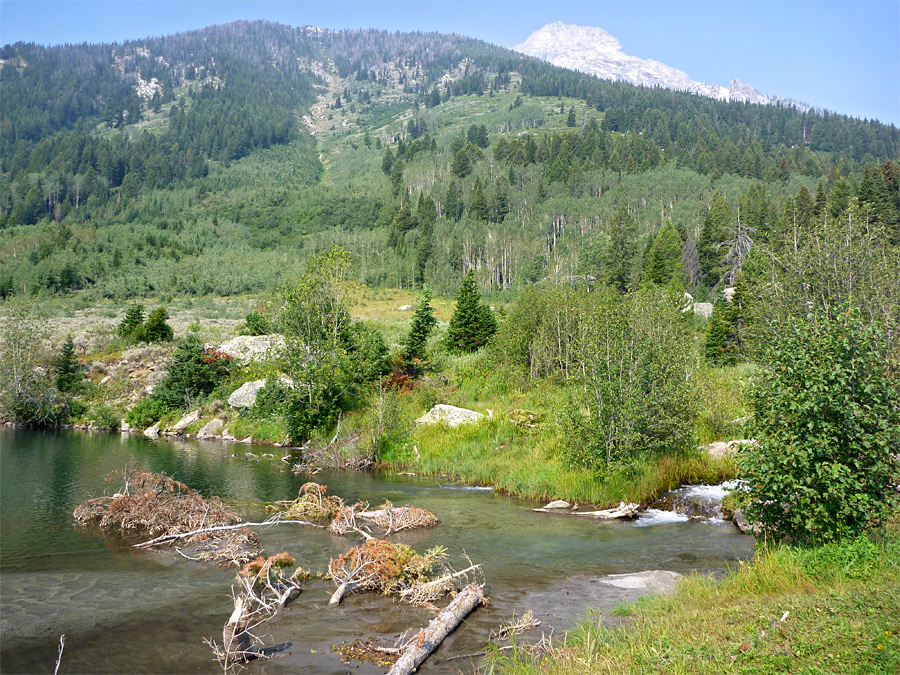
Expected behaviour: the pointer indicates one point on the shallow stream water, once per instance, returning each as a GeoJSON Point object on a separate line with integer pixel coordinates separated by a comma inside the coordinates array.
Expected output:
{"type": "Point", "coordinates": [126, 611]}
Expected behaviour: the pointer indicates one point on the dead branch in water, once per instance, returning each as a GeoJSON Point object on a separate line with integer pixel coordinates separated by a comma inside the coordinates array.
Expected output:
{"type": "Point", "coordinates": [623, 510]}
{"type": "Point", "coordinates": [262, 591]}
{"type": "Point", "coordinates": [427, 640]}
{"type": "Point", "coordinates": [516, 627]}
{"type": "Point", "coordinates": [274, 520]}
{"type": "Point", "coordinates": [62, 645]}
{"type": "Point", "coordinates": [379, 565]}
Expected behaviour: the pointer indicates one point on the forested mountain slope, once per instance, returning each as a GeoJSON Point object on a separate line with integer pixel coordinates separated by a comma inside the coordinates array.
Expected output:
{"type": "Point", "coordinates": [217, 161]}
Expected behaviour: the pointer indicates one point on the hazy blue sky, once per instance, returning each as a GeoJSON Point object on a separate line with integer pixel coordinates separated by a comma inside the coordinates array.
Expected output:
{"type": "Point", "coordinates": [844, 56]}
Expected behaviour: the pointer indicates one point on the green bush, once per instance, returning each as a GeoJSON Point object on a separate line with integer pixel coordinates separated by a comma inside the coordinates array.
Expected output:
{"type": "Point", "coordinates": [256, 323]}
{"type": "Point", "coordinates": [146, 413]}
{"type": "Point", "coordinates": [631, 397]}
{"type": "Point", "coordinates": [105, 417]}
{"type": "Point", "coordinates": [827, 418]}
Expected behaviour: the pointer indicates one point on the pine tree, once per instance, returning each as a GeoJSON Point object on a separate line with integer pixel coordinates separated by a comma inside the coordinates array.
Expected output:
{"type": "Point", "coordinates": [68, 372]}
{"type": "Point", "coordinates": [478, 208]}
{"type": "Point", "coordinates": [473, 323]}
{"type": "Point", "coordinates": [664, 259]}
{"type": "Point", "coordinates": [423, 323]}
{"type": "Point", "coordinates": [134, 317]}
{"type": "Point", "coordinates": [461, 166]}
{"type": "Point", "coordinates": [570, 120]}
{"type": "Point", "coordinates": [155, 329]}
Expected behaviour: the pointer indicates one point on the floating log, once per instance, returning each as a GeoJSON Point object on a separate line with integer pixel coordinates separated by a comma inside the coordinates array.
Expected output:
{"type": "Point", "coordinates": [427, 640]}
{"type": "Point", "coordinates": [623, 510]}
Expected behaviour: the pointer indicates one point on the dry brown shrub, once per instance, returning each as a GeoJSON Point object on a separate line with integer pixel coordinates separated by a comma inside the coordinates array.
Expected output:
{"type": "Point", "coordinates": [396, 519]}
{"type": "Point", "coordinates": [151, 505]}
{"type": "Point", "coordinates": [379, 565]}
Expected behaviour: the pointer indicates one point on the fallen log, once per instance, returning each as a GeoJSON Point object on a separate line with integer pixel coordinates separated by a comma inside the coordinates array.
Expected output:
{"type": "Point", "coordinates": [427, 640]}
{"type": "Point", "coordinates": [623, 510]}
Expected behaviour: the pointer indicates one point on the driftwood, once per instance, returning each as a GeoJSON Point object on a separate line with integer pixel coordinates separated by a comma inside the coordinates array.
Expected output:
{"type": "Point", "coordinates": [168, 538]}
{"type": "Point", "coordinates": [431, 590]}
{"type": "Point", "coordinates": [623, 510]}
{"type": "Point", "coordinates": [427, 640]}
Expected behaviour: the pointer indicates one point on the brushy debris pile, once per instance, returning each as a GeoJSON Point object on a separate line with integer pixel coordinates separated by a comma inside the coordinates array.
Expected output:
{"type": "Point", "coordinates": [382, 566]}
{"type": "Point", "coordinates": [314, 502]}
{"type": "Point", "coordinates": [366, 652]}
{"type": "Point", "coordinates": [152, 505]}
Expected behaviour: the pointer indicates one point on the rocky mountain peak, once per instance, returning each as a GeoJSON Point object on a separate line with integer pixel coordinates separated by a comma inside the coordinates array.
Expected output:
{"type": "Point", "coordinates": [592, 50]}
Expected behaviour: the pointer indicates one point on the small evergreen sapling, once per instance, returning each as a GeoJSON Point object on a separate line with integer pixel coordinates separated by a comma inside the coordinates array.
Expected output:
{"type": "Point", "coordinates": [68, 373]}
{"type": "Point", "coordinates": [423, 323]}
{"type": "Point", "coordinates": [134, 317]}
{"type": "Point", "coordinates": [473, 323]}
{"type": "Point", "coordinates": [155, 329]}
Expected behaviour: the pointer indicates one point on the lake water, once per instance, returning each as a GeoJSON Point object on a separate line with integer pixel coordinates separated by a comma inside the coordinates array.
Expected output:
{"type": "Point", "coordinates": [126, 611]}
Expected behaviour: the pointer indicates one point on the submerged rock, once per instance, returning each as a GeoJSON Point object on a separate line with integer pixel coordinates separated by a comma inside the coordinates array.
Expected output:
{"type": "Point", "coordinates": [449, 415]}
{"type": "Point", "coordinates": [652, 581]}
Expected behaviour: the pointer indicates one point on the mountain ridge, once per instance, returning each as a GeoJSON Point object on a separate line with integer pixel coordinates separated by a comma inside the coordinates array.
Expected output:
{"type": "Point", "coordinates": [592, 50]}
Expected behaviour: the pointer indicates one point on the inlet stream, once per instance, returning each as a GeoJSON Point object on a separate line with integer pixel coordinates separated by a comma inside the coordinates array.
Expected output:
{"type": "Point", "coordinates": [126, 611]}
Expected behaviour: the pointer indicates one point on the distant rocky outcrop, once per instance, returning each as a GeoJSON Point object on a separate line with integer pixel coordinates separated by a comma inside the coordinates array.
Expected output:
{"type": "Point", "coordinates": [252, 347]}
{"type": "Point", "coordinates": [449, 415]}
{"type": "Point", "coordinates": [594, 51]}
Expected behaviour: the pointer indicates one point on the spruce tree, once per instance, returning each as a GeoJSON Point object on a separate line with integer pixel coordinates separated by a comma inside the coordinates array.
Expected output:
{"type": "Point", "coordinates": [134, 317]}
{"type": "Point", "coordinates": [461, 166]}
{"type": "Point", "coordinates": [68, 372]}
{"type": "Point", "coordinates": [570, 120]}
{"type": "Point", "coordinates": [473, 323]}
{"type": "Point", "coordinates": [155, 329]}
{"type": "Point", "coordinates": [423, 324]}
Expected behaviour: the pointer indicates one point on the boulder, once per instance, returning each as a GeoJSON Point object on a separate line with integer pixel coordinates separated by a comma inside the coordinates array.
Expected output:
{"type": "Point", "coordinates": [704, 309]}
{"type": "Point", "coordinates": [186, 421]}
{"type": "Point", "coordinates": [449, 415]}
{"type": "Point", "coordinates": [404, 308]}
{"type": "Point", "coordinates": [652, 581]}
{"type": "Point", "coordinates": [152, 432]}
{"type": "Point", "coordinates": [558, 504]}
{"type": "Point", "coordinates": [252, 347]}
{"type": "Point", "coordinates": [212, 428]}
{"type": "Point", "coordinates": [124, 427]}
{"type": "Point", "coordinates": [245, 395]}
{"type": "Point", "coordinates": [720, 449]}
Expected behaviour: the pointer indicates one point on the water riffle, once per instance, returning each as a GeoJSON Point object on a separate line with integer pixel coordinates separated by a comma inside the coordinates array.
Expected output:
{"type": "Point", "coordinates": [129, 611]}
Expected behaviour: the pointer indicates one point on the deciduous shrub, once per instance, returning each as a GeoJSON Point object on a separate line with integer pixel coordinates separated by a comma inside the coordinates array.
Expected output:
{"type": "Point", "coordinates": [827, 418]}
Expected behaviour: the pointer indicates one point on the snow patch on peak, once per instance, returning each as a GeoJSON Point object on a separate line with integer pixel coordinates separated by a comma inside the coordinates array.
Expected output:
{"type": "Point", "coordinates": [594, 51]}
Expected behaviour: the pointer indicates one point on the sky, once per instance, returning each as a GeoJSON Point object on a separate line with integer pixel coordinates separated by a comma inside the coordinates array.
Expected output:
{"type": "Point", "coordinates": [840, 55]}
